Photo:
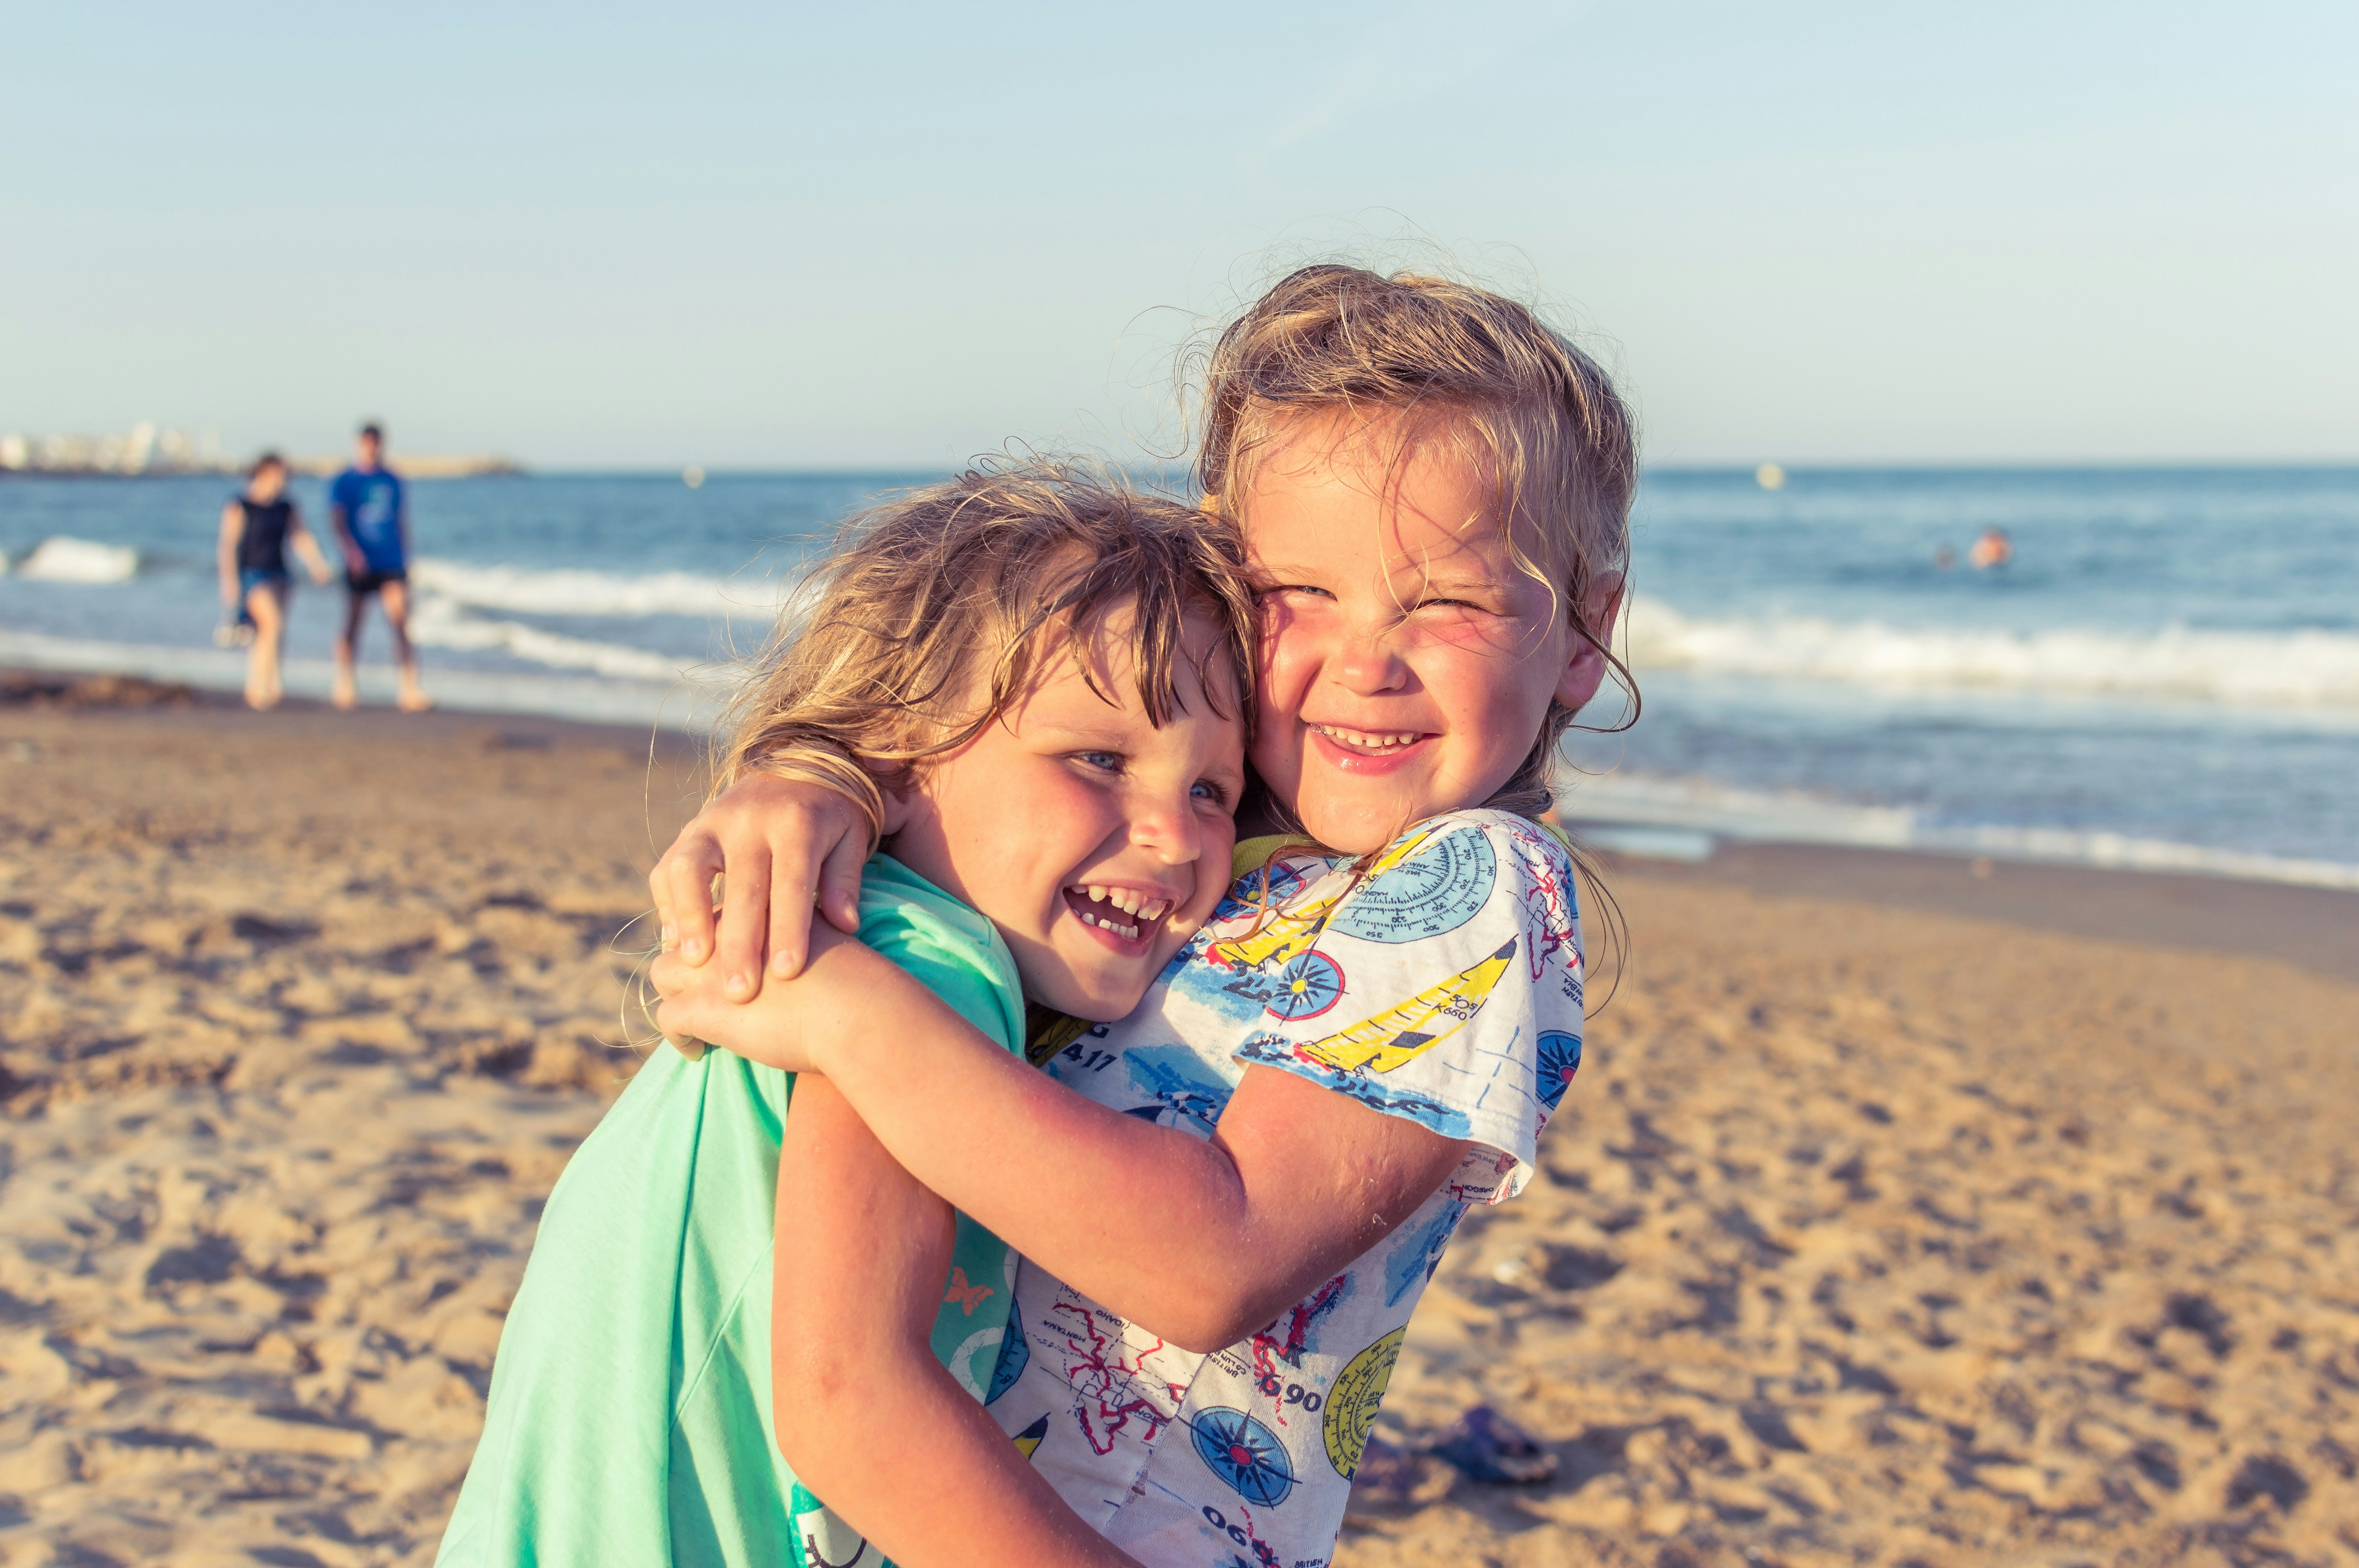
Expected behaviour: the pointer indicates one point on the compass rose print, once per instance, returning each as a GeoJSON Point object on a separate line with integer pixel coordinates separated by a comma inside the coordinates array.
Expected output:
{"type": "Point", "coordinates": [1436, 887]}
{"type": "Point", "coordinates": [1307, 986]}
{"type": "Point", "coordinates": [1245, 1454]}
{"type": "Point", "coordinates": [1559, 1058]}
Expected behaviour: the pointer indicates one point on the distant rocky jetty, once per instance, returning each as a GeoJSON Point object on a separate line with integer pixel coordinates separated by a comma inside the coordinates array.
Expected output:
{"type": "Point", "coordinates": [147, 451]}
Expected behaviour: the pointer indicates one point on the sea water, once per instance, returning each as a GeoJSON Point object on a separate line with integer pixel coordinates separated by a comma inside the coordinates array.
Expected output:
{"type": "Point", "coordinates": [2166, 674]}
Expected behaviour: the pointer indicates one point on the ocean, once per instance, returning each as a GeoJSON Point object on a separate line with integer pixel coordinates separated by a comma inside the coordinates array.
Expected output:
{"type": "Point", "coordinates": [2165, 675]}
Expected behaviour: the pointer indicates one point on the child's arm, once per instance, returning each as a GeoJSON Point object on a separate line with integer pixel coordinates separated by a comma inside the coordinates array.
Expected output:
{"type": "Point", "coordinates": [307, 547]}
{"type": "Point", "coordinates": [783, 843]}
{"type": "Point", "coordinates": [340, 525]}
{"type": "Point", "coordinates": [869, 1421]}
{"type": "Point", "coordinates": [1297, 1181]}
{"type": "Point", "coordinates": [232, 529]}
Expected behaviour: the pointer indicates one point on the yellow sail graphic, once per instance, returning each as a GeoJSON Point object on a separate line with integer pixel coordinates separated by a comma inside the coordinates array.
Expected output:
{"type": "Point", "coordinates": [1028, 1441]}
{"type": "Point", "coordinates": [1282, 936]}
{"type": "Point", "coordinates": [1392, 1037]}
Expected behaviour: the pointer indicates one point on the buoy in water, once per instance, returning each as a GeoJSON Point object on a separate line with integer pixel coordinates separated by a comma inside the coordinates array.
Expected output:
{"type": "Point", "coordinates": [1769, 476]}
{"type": "Point", "coordinates": [691, 476]}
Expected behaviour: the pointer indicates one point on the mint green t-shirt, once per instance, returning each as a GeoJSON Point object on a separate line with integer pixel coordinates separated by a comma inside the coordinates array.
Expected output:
{"type": "Point", "coordinates": [629, 1419]}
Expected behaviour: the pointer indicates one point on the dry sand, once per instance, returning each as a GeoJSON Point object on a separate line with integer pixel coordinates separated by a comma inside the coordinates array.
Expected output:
{"type": "Point", "coordinates": [1870, 1233]}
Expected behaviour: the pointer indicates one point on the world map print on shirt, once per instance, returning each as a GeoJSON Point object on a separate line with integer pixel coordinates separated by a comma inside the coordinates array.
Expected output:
{"type": "Point", "coordinates": [1441, 983]}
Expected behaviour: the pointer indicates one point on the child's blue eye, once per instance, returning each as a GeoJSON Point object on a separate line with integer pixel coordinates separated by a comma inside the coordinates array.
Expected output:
{"type": "Point", "coordinates": [1109, 761]}
{"type": "Point", "coordinates": [1205, 789]}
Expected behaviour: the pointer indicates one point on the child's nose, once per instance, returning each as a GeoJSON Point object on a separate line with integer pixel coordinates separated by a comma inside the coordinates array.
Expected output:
{"type": "Point", "coordinates": [1168, 829]}
{"type": "Point", "coordinates": [1369, 662]}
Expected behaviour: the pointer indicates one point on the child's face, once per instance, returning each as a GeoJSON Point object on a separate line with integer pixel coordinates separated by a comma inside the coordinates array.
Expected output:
{"type": "Point", "coordinates": [1094, 841]}
{"type": "Point", "coordinates": [1407, 663]}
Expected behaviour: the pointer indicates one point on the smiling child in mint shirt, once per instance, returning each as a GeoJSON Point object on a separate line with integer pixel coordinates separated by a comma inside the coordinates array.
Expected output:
{"type": "Point", "coordinates": [1228, 1203]}
{"type": "Point", "coordinates": [1015, 634]}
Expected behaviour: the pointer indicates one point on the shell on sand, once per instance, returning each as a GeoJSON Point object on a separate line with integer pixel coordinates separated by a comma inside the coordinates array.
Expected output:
{"type": "Point", "coordinates": [1864, 1236]}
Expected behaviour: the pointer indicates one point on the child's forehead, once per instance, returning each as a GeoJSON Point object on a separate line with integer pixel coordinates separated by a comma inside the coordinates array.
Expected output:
{"type": "Point", "coordinates": [1093, 673]}
{"type": "Point", "coordinates": [1421, 496]}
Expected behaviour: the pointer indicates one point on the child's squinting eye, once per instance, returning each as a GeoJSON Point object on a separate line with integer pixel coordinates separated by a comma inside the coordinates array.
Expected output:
{"type": "Point", "coordinates": [1205, 789]}
{"type": "Point", "coordinates": [1105, 762]}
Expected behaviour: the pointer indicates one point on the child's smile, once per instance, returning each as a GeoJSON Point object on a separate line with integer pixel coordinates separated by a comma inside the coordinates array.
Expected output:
{"type": "Point", "coordinates": [1408, 658]}
{"type": "Point", "coordinates": [1120, 915]}
{"type": "Point", "coordinates": [1093, 840]}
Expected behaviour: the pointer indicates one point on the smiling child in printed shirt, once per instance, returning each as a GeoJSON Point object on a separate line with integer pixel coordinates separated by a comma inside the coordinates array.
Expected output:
{"type": "Point", "coordinates": [1229, 1202]}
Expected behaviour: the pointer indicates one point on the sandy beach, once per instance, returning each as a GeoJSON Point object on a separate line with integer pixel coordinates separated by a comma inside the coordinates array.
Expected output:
{"type": "Point", "coordinates": [1900, 1214]}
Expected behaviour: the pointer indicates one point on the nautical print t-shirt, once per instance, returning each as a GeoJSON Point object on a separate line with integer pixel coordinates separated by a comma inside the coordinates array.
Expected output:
{"type": "Point", "coordinates": [1442, 985]}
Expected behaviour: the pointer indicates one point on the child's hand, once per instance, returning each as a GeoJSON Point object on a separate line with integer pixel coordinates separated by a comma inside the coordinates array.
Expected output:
{"type": "Point", "coordinates": [783, 844]}
{"type": "Point", "coordinates": [695, 1013]}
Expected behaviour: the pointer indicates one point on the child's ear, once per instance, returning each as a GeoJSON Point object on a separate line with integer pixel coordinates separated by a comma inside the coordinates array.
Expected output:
{"type": "Point", "coordinates": [896, 797]}
{"type": "Point", "coordinates": [1584, 670]}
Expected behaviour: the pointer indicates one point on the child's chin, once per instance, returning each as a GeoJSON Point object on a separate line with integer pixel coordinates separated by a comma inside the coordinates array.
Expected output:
{"type": "Point", "coordinates": [1107, 1002]}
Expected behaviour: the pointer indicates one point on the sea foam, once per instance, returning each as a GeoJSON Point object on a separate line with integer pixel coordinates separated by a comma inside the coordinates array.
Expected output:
{"type": "Point", "coordinates": [2304, 667]}
{"type": "Point", "coordinates": [1678, 818]}
{"type": "Point", "coordinates": [68, 559]}
{"type": "Point", "coordinates": [580, 591]}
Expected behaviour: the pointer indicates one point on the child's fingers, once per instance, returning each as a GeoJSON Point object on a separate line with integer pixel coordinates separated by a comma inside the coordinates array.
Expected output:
{"type": "Point", "coordinates": [794, 877]}
{"type": "Point", "coordinates": [839, 881]}
{"type": "Point", "coordinates": [745, 921]}
{"type": "Point", "coordinates": [687, 871]}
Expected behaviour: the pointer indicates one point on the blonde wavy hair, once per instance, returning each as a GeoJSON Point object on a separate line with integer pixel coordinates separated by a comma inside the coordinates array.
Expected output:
{"type": "Point", "coordinates": [1528, 410]}
{"type": "Point", "coordinates": [936, 610]}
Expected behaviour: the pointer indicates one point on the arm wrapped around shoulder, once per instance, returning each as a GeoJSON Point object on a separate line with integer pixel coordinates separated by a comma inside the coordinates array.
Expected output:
{"type": "Point", "coordinates": [1442, 983]}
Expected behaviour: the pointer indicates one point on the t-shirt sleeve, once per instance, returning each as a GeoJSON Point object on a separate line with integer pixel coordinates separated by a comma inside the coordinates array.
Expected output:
{"type": "Point", "coordinates": [1445, 987]}
{"type": "Point", "coordinates": [949, 966]}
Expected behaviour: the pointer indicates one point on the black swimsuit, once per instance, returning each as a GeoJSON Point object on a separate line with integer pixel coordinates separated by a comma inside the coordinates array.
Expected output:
{"type": "Point", "coordinates": [261, 545]}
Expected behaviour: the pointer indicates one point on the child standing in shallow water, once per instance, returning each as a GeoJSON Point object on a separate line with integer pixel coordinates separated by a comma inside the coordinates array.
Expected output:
{"type": "Point", "coordinates": [1229, 1214]}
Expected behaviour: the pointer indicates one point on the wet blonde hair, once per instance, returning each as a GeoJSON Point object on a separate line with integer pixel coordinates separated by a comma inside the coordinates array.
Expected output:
{"type": "Point", "coordinates": [1526, 408]}
{"type": "Point", "coordinates": [936, 610]}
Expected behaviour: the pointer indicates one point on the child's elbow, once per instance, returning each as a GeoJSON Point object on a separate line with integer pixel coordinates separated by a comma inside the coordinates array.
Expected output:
{"type": "Point", "coordinates": [1217, 1320]}
{"type": "Point", "coordinates": [811, 1421]}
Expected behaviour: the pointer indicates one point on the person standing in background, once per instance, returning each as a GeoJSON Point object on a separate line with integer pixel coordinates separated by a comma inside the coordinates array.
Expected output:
{"type": "Point", "coordinates": [255, 529]}
{"type": "Point", "coordinates": [370, 513]}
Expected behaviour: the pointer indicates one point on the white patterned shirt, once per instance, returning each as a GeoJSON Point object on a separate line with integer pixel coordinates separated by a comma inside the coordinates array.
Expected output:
{"type": "Point", "coordinates": [1442, 985]}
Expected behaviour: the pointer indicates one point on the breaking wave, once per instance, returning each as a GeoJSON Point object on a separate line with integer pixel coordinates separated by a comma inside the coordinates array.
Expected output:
{"type": "Point", "coordinates": [577, 591]}
{"type": "Point", "coordinates": [67, 559]}
{"type": "Point", "coordinates": [1678, 818]}
{"type": "Point", "coordinates": [2307, 667]}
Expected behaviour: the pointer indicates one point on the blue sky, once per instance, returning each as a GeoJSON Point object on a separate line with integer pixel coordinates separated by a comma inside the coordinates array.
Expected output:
{"type": "Point", "coordinates": [783, 236]}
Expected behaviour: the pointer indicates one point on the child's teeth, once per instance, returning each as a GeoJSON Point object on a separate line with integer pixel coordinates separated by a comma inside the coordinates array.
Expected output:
{"type": "Point", "coordinates": [1366, 739]}
{"type": "Point", "coordinates": [1097, 894]}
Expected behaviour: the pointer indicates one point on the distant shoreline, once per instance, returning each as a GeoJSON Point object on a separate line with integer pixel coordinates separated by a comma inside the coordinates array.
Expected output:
{"type": "Point", "coordinates": [430, 465]}
{"type": "Point", "coordinates": [474, 466]}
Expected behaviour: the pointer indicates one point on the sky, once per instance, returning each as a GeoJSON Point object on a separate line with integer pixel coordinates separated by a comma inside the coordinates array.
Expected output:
{"type": "Point", "coordinates": [789, 237]}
